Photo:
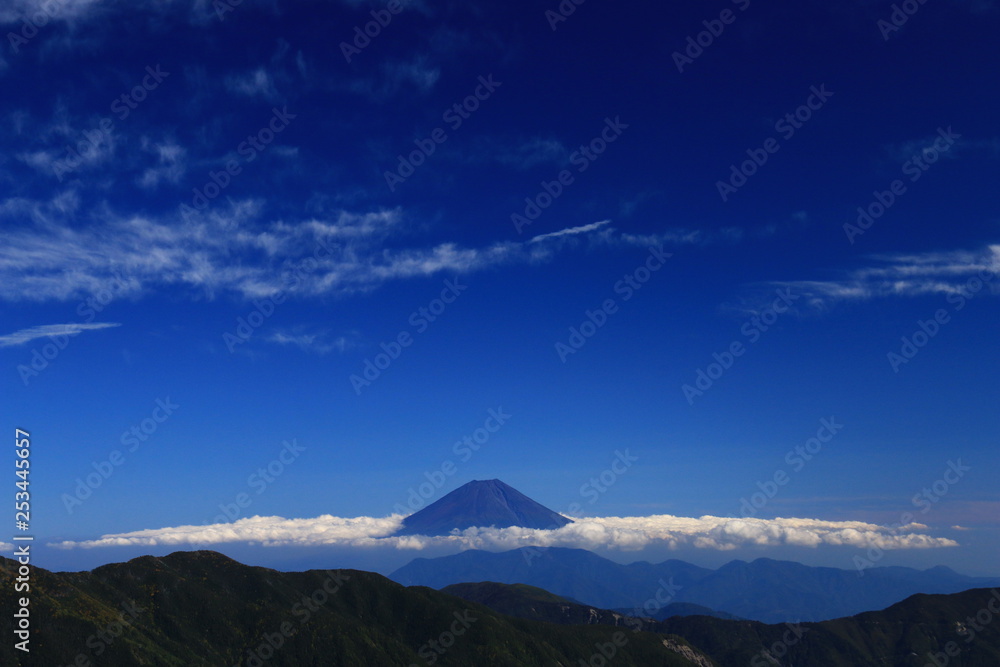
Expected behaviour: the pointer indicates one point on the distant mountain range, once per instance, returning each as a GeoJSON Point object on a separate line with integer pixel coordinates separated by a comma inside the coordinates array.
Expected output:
{"type": "Point", "coordinates": [764, 590]}
{"type": "Point", "coordinates": [538, 604]}
{"type": "Point", "coordinates": [202, 609]}
{"type": "Point", "coordinates": [481, 503]}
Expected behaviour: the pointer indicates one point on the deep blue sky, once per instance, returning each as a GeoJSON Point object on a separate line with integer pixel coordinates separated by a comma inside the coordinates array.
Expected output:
{"type": "Point", "coordinates": [186, 276]}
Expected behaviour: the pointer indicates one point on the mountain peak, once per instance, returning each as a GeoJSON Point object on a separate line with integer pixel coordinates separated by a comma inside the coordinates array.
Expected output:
{"type": "Point", "coordinates": [481, 503]}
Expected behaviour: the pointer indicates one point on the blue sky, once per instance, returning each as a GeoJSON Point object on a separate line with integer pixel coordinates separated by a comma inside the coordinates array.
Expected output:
{"type": "Point", "coordinates": [241, 236]}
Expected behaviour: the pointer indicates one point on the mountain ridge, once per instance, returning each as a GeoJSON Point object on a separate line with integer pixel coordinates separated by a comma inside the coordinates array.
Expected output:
{"type": "Point", "coordinates": [203, 609]}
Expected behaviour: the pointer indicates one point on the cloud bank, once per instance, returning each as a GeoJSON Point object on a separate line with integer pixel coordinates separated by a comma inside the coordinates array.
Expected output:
{"type": "Point", "coordinates": [621, 533]}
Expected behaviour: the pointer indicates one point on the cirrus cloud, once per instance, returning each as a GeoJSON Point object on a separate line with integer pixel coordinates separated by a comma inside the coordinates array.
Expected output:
{"type": "Point", "coordinates": [236, 250]}
{"type": "Point", "coordinates": [49, 330]}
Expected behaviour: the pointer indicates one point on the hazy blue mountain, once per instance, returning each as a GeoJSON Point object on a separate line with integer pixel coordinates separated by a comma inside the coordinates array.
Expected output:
{"type": "Point", "coordinates": [481, 503]}
{"type": "Point", "coordinates": [577, 574]}
{"type": "Point", "coordinates": [775, 591]}
{"type": "Point", "coordinates": [538, 604]}
{"type": "Point", "coordinates": [765, 590]}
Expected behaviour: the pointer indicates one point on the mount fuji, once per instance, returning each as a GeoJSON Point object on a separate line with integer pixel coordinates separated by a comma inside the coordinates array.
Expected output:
{"type": "Point", "coordinates": [483, 504]}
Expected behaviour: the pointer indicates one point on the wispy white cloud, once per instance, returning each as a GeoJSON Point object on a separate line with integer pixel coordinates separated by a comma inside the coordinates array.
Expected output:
{"type": "Point", "coordinates": [622, 533]}
{"type": "Point", "coordinates": [170, 163]}
{"type": "Point", "coordinates": [13, 11]}
{"type": "Point", "coordinates": [516, 152]}
{"type": "Point", "coordinates": [199, 12]}
{"type": "Point", "coordinates": [71, 147]}
{"type": "Point", "coordinates": [50, 260]}
{"type": "Point", "coordinates": [40, 160]}
{"type": "Point", "coordinates": [233, 250]}
{"type": "Point", "coordinates": [904, 275]}
{"type": "Point", "coordinates": [257, 83]}
{"type": "Point", "coordinates": [531, 152]}
{"type": "Point", "coordinates": [284, 151]}
{"type": "Point", "coordinates": [571, 231]}
{"type": "Point", "coordinates": [49, 330]}
{"type": "Point", "coordinates": [319, 343]}
{"type": "Point", "coordinates": [416, 72]}
{"type": "Point", "coordinates": [397, 75]}
{"type": "Point", "coordinates": [906, 150]}
{"type": "Point", "coordinates": [604, 232]}
{"type": "Point", "coordinates": [682, 236]}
